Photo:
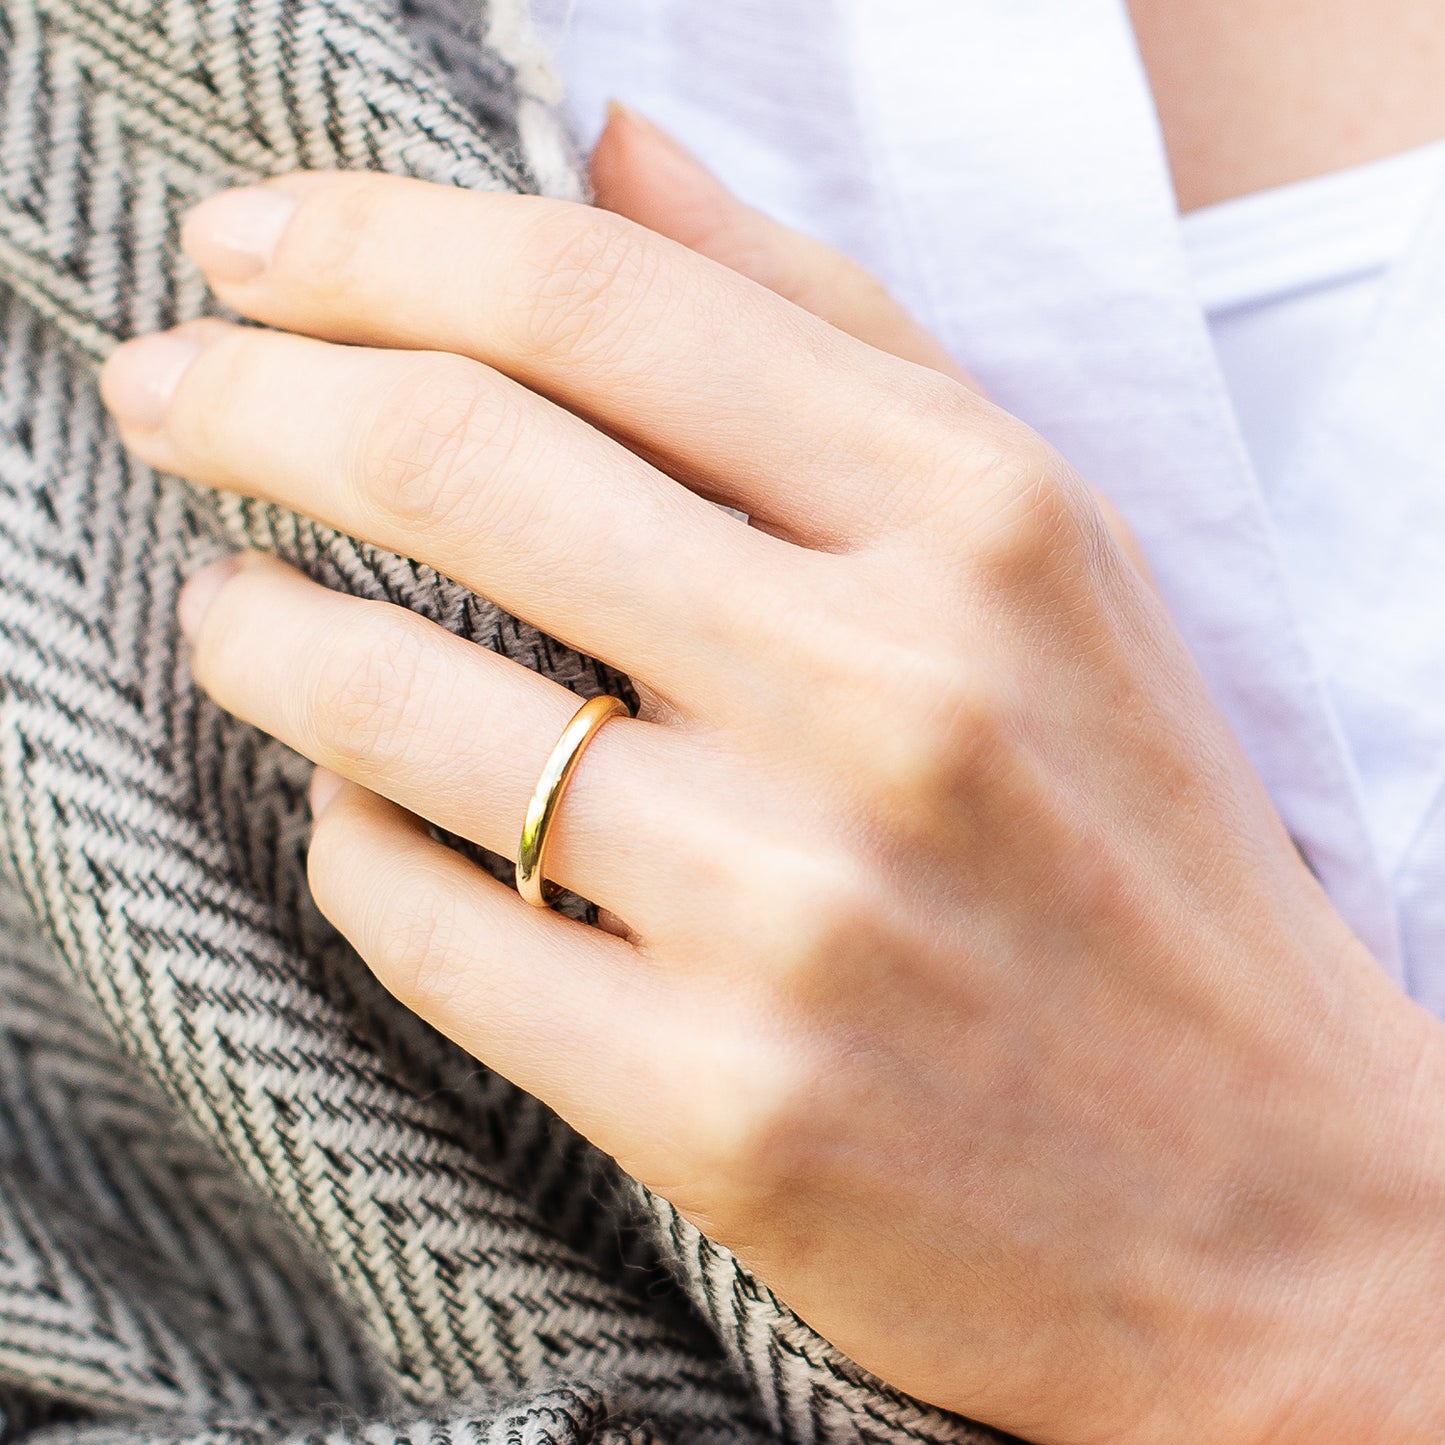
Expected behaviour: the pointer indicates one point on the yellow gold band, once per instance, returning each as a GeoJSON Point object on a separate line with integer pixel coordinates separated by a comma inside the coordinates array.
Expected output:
{"type": "Point", "coordinates": [532, 850]}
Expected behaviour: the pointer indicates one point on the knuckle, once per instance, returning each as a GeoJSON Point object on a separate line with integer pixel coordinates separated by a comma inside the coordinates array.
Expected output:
{"type": "Point", "coordinates": [223, 655]}
{"type": "Point", "coordinates": [1016, 500]}
{"type": "Point", "coordinates": [404, 925]}
{"type": "Point", "coordinates": [1027, 518]}
{"type": "Point", "coordinates": [416, 946]}
{"type": "Point", "coordinates": [950, 429]}
{"type": "Point", "coordinates": [232, 367]}
{"type": "Point", "coordinates": [949, 739]}
{"type": "Point", "coordinates": [759, 1141]}
{"type": "Point", "coordinates": [924, 720]}
{"type": "Point", "coordinates": [781, 1059]}
{"type": "Point", "coordinates": [331, 866]}
{"type": "Point", "coordinates": [822, 912]}
{"type": "Point", "coordinates": [326, 242]}
{"type": "Point", "coordinates": [367, 698]}
{"type": "Point", "coordinates": [584, 269]}
{"type": "Point", "coordinates": [435, 431]}
{"type": "Point", "coordinates": [939, 408]}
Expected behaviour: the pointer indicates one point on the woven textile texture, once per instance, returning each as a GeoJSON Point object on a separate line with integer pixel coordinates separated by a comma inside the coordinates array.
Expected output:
{"type": "Point", "coordinates": [244, 1197]}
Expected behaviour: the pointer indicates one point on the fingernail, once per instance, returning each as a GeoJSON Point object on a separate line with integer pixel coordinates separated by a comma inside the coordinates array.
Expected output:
{"type": "Point", "coordinates": [198, 594]}
{"type": "Point", "coordinates": [141, 376]}
{"type": "Point", "coordinates": [232, 236]}
{"type": "Point", "coordinates": [617, 111]}
{"type": "Point", "coordinates": [324, 788]}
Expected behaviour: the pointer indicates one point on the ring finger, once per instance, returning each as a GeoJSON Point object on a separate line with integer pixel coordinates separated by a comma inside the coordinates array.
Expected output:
{"type": "Point", "coordinates": [450, 731]}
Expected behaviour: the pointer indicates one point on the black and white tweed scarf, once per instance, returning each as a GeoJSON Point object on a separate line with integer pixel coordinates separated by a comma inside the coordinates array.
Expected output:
{"type": "Point", "coordinates": [243, 1196]}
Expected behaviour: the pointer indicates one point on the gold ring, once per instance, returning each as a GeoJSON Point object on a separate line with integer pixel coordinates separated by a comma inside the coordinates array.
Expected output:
{"type": "Point", "coordinates": [532, 850]}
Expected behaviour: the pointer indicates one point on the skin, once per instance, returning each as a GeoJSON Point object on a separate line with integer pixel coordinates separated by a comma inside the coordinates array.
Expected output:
{"type": "Point", "coordinates": [964, 981]}
{"type": "Point", "coordinates": [1257, 93]}
{"type": "Point", "coordinates": [958, 961]}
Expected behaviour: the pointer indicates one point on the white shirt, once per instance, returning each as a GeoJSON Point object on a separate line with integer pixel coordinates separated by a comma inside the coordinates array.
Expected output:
{"type": "Point", "coordinates": [1289, 279]}
{"type": "Point", "coordinates": [999, 164]}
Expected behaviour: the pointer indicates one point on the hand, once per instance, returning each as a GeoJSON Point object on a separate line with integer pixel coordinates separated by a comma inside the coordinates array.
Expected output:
{"type": "Point", "coordinates": [640, 172]}
{"type": "Point", "coordinates": [967, 985]}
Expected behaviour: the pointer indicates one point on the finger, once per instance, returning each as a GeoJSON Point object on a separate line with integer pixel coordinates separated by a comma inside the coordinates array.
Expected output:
{"type": "Point", "coordinates": [449, 462]}
{"type": "Point", "coordinates": [735, 391]}
{"type": "Point", "coordinates": [565, 1011]}
{"type": "Point", "coordinates": [666, 1074]}
{"type": "Point", "coordinates": [451, 731]}
{"type": "Point", "coordinates": [641, 172]}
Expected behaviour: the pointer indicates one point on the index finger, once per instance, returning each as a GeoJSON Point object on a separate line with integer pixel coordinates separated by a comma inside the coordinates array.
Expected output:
{"type": "Point", "coordinates": [732, 389]}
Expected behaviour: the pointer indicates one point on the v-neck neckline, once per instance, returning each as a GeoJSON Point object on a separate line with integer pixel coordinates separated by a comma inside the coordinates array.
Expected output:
{"type": "Point", "coordinates": [1314, 232]}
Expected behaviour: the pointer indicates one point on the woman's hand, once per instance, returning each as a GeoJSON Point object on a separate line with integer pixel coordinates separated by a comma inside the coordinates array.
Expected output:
{"type": "Point", "coordinates": [968, 987]}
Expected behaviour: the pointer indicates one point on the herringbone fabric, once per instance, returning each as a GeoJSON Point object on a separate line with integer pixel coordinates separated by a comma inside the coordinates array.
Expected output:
{"type": "Point", "coordinates": [243, 1195]}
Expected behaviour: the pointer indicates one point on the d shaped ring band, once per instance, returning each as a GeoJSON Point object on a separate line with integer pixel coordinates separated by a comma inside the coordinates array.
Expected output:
{"type": "Point", "coordinates": [532, 882]}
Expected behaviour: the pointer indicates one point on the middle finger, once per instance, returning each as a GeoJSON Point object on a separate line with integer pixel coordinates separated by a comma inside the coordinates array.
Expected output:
{"type": "Point", "coordinates": [736, 391]}
{"type": "Point", "coordinates": [444, 460]}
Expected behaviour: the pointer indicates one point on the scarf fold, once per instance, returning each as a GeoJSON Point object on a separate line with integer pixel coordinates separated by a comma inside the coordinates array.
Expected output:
{"type": "Point", "coordinates": [244, 1196]}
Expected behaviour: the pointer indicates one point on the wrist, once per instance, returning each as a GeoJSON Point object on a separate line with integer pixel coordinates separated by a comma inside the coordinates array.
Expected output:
{"type": "Point", "coordinates": [1355, 1351]}
{"type": "Point", "coordinates": [1398, 1313]}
